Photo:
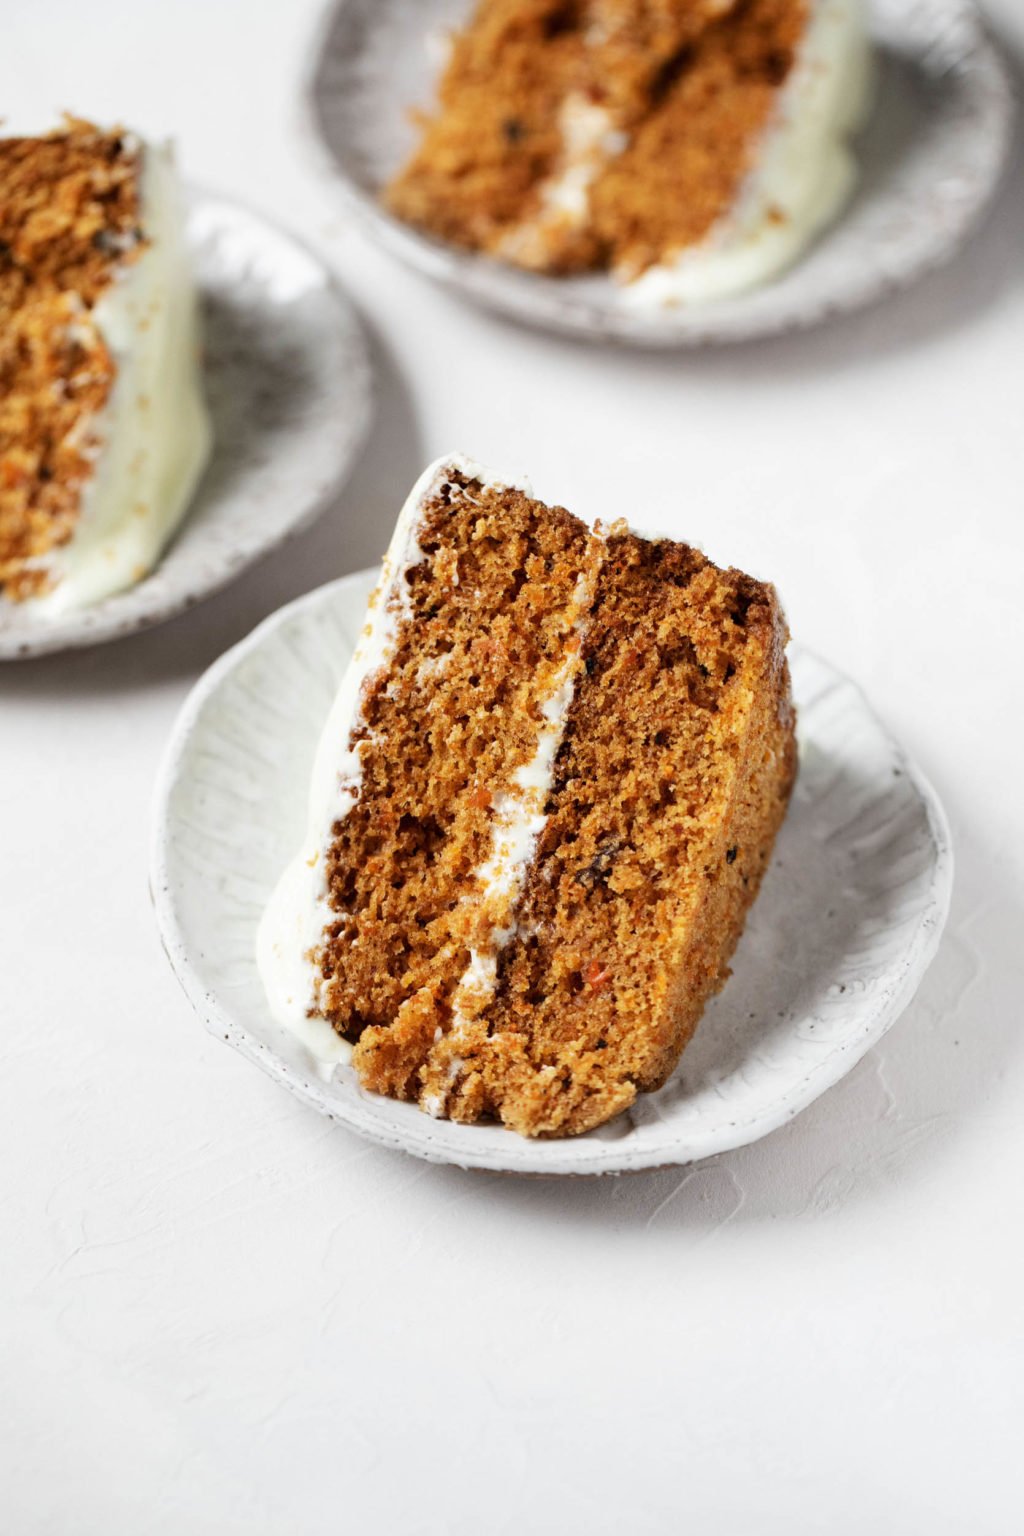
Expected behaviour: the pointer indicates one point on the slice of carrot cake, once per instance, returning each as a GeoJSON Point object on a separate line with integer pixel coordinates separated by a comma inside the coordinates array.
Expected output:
{"type": "Point", "coordinates": [542, 805]}
{"type": "Point", "coordinates": [691, 147]}
{"type": "Point", "coordinates": [103, 429]}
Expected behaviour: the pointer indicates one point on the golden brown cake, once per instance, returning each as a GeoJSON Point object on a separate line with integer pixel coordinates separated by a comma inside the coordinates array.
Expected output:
{"type": "Point", "coordinates": [543, 803]}
{"type": "Point", "coordinates": [103, 432]}
{"type": "Point", "coordinates": [702, 138]}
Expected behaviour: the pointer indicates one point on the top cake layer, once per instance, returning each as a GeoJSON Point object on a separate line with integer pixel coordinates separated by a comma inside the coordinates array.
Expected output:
{"type": "Point", "coordinates": [542, 803]}
{"type": "Point", "coordinates": [698, 139]}
{"type": "Point", "coordinates": [103, 431]}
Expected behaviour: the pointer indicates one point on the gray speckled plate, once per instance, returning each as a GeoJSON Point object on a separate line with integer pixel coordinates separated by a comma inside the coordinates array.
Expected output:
{"type": "Point", "coordinates": [930, 159]}
{"type": "Point", "coordinates": [847, 921]}
{"type": "Point", "coordinates": [287, 378]}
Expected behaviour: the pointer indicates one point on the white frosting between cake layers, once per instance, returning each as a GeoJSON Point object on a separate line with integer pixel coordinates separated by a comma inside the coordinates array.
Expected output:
{"type": "Point", "coordinates": [590, 139]}
{"type": "Point", "coordinates": [299, 910]}
{"type": "Point", "coordinates": [804, 173]}
{"type": "Point", "coordinates": [519, 821]}
{"type": "Point", "coordinates": [153, 436]}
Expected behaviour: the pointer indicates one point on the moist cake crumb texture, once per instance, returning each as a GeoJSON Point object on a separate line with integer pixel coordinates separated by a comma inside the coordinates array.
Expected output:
{"type": "Point", "coordinates": [573, 763]}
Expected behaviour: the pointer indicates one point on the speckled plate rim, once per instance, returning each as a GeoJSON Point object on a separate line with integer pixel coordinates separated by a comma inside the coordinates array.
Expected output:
{"type": "Point", "coordinates": [428, 1140]}
{"type": "Point", "coordinates": [547, 304]}
{"type": "Point", "coordinates": [122, 615]}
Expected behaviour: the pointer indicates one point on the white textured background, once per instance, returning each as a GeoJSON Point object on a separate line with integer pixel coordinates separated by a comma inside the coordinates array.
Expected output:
{"type": "Point", "coordinates": [219, 1314]}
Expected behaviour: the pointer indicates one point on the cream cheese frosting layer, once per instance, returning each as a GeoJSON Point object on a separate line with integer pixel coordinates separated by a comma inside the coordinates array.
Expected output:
{"type": "Point", "coordinates": [520, 815]}
{"type": "Point", "coordinates": [520, 818]}
{"type": "Point", "coordinates": [153, 436]}
{"type": "Point", "coordinates": [803, 174]}
{"type": "Point", "coordinates": [589, 140]}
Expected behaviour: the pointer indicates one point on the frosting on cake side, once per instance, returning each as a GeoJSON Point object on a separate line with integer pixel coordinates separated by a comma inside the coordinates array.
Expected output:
{"type": "Point", "coordinates": [153, 436]}
{"type": "Point", "coordinates": [804, 173]}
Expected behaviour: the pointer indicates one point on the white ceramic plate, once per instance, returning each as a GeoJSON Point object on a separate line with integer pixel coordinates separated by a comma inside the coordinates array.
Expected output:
{"type": "Point", "coordinates": [847, 921]}
{"type": "Point", "coordinates": [287, 379]}
{"type": "Point", "coordinates": [930, 160]}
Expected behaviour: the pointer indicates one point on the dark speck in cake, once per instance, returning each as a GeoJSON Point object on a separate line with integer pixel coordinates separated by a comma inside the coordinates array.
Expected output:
{"type": "Point", "coordinates": [599, 866]}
